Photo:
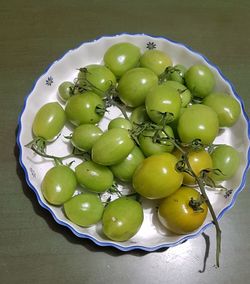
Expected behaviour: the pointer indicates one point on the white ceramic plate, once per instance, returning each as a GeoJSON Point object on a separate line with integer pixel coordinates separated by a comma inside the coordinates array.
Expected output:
{"type": "Point", "coordinates": [151, 235]}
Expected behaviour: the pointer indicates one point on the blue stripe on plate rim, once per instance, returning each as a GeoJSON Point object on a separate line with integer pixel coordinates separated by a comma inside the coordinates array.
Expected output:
{"type": "Point", "coordinates": [114, 244]}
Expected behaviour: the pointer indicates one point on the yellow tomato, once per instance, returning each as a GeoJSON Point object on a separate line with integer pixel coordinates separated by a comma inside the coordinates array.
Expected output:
{"type": "Point", "coordinates": [176, 214]}
{"type": "Point", "coordinates": [156, 177]}
{"type": "Point", "coordinates": [198, 160]}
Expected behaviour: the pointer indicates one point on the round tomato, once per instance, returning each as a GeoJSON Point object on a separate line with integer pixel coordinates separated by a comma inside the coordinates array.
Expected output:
{"type": "Point", "coordinates": [98, 76]}
{"type": "Point", "coordinates": [156, 60]}
{"type": "Point", "coordinates": [121, 57]}
{"type": "Point", "coordinates": [176, 213]}
{"type": "Point", "coordinates": [198, 122]}
{"type": "Point", "coordinates": [156, 176]}
{"type": "Point", "coordinates": [163, 100]}
{"type": "Point", "coordinates": [85, 135]}
{"type": "Point", "coordinates": [84, 108]}
{"type": "Point", "coordinates": [227, 160]}
{"type": "Point", "coordinates": [150, 147]}
{"type": "Point", "coordinates": [226, 107]}
{"type": "Point", "coordinates": [122, 218]}
{"type": "Point", "coordinates": [135, 84]}
{"type": "Point", "coordinates": [198, 160]}
{"type": "Point", "coordinates": [58, 185]}
{"type": "Point", "coordinates": [84, 209]}
{"type": "Point", "coordinates": [200, 80]}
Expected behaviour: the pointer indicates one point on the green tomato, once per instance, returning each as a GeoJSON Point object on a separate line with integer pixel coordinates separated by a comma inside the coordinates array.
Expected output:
{"type": "Point", "coordinates": [94, 177]}
{"type": "Point", "coordinates": [227, 108]}
{"type": "Point", "coordinates": [163, 100]}
{"type": "Point", "coordinates": [99, 76]}
{"type": "Point", "coordinates": [122, 219]}
{"type": "Point", "coordinates": [84, 209]}
{"type": "Point", "coordinates": [156, 60]}
{"type": "Point", "coordinates": [198, 122]}
{"type": "Point", "coordinates": [58, 185]}
{"type": "Point", "coordinates": [65, 90]}
{"type": "Point", "coordinates": [120, 122]}
{"type": "Point", "coordinates": [139, 115]}
{"type": "Point", "coordinates": [49, 121]}
{"type": "Point", "coordinates": [135, 84]}
{"type": "Point", "coordinates": [85, 135]}
{"type": "Point", "coordinates": [86, 108]}
{"type": "Point", "coordinates": [121, 57]}
{"type": "Point", "coordinates": [125, 169]}
{"type": "Point", "coordinates": [184, 93]}
{"type": "Point", "coordinates": [112, 147]}
{"type": "Point", "coordinates": [179, 74]}
{"type": "Point", "coordinates": [156, 177]}
{"type": "Point", "coordinates": [227, 160]}
{"type": "Point", "coordinates": [200, 80]}
{"type": "Point", "coordinates": [150, 147]}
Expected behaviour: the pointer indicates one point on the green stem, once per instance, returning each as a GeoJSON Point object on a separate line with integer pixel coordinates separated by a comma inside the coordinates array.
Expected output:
{"type": "Point", "coordinates": [204, 195]}
{"type": "Point", "coordinates": [215, 221]}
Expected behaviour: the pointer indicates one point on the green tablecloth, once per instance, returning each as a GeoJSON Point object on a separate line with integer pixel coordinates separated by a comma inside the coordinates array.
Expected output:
{"type": "Point", "coordinates": [33, 247]}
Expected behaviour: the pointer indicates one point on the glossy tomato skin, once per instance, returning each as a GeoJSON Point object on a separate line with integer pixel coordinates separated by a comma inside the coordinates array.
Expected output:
{"type": "Point", "coordinates": [155, 60]}
{"type": "Point", "coordinates": [112, 147]}
{"type": "Point", "coordinates": [135, 84]}
{"type": "Point", "coordinates": [120, 122]}
{"type": "Point", "coordinates": [84, 209]}
{"type": "Point", "coordinates": [227, 160]}
{"type": "Point", "coordinates": [124, 170]}
{"type": "Point", "coordinates": [121, 57]}
{"type": "Point", "coordinates": [65, 90]}
{"type": "Point", "coordinates": [49, 121]}
{"type": "Point", "coordinates": [94, 177]}
{"type": "Point", "coordinates": [122, 218]}
{"type": "Point", "coordinates": [183, 91]}
{"type": "Point", "coordinates": [198, 160]}
{"type": "Point", "coordinates": [162, 99]}
{"type": "Point", "coordinates": [85, 135]}
{"type": "Point", "coordinates": [58, 185]}
{"type": "Point", "coordinates": [176, 214]}
{"type": "Point", "coordinates": [156, 177]}
{"type": "Point", "coordinates": [149, 147]}
{"type": "Point", "coordinates": [83, 108]}
{"type": "Point", "coordinates": [227, 108]}
{"type": "Point", "coordinates": [200, 80]}
{"type": "Point", "coordinates": [198, 122]}
{"type": "Point", "coordinates": [99, 76]}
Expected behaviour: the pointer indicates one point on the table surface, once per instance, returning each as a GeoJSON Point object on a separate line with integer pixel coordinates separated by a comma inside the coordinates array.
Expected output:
{"type": "Point", "coordinates": [35, 249]}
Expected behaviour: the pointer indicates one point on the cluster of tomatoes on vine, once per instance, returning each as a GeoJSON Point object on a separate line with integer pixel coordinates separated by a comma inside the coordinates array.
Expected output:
{"type": "Point", "coordinates": [163, 120]}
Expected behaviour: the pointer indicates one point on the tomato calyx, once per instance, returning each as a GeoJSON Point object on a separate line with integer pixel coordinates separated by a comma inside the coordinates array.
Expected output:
{"type": "Point", "coordinates": [195, 204]}
{"type": "Point", "coordinates": [166, 74]}
{"type": "Point", "coordinates": [38, 143]}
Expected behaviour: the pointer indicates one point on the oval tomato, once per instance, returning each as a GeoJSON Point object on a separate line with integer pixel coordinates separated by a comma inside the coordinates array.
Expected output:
{"type": "Point", "coordinates": [122, 218]}
{"type": "Point", "coordinates": [49, 121]}
{"type": "Point", "coordinates": [112, 147]}
{"type": "Point", "coordinates": [198, 122]}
